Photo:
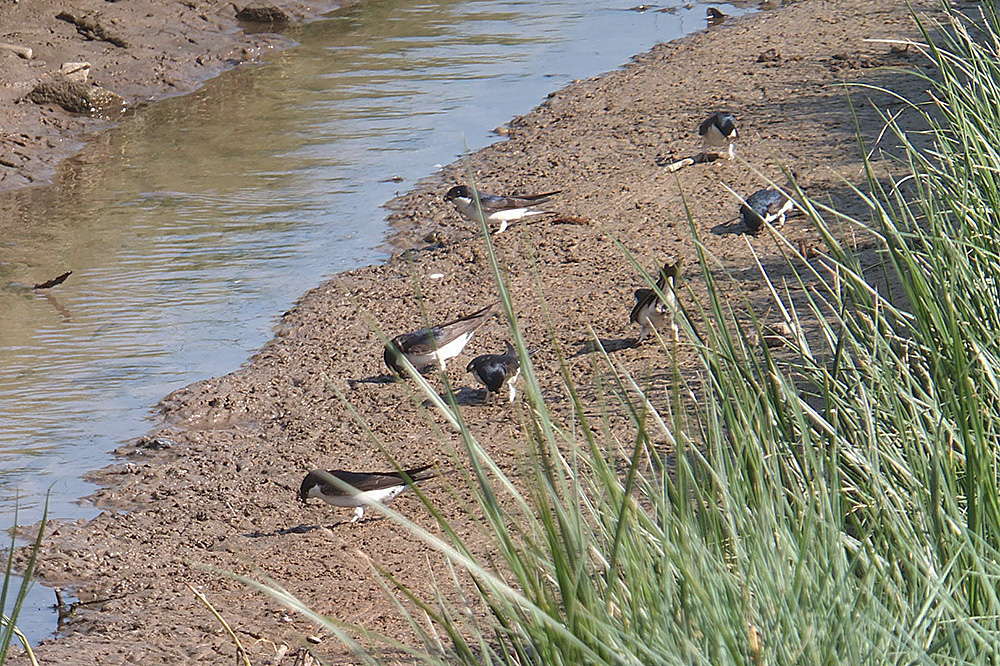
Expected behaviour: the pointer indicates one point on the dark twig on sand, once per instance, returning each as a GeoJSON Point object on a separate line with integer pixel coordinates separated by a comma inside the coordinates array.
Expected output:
{"type": "Point", "coordinates": [48, 284]}
{"type": "Point", "coordinates": [700, 158]}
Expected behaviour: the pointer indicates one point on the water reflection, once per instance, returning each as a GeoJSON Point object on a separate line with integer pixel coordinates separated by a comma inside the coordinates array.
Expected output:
{"type": "Point", "coordinates": [199, 219]}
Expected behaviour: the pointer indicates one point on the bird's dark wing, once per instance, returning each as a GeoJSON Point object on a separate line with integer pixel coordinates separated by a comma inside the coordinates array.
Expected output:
{"type": "Point", "coordinates": [493, 203]}
{"type": "Point", "coordinates": [643, 297]}
{"type": "Point", "coordinates": [708, 122]}
{"type": "Point", "coordinates": [365, 481]}
{"type": "Point", "coordinates": [427, 340]}
{"type": "Point", "coordinates": [537, 198]}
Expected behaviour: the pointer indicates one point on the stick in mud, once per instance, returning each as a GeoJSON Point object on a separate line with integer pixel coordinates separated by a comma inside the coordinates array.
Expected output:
{"type": "Point", "coordinates": [700, 158]}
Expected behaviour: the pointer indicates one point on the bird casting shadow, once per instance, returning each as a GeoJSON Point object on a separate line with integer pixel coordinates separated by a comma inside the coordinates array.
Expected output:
{"type": "Point", "coordinates": [610, 345]}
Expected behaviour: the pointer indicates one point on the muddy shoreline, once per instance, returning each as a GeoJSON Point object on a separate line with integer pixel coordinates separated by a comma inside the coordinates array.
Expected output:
{"type": "Point", "coordinates": [216, 484]}
{"type": "Point", "coordinates": [140, 51]}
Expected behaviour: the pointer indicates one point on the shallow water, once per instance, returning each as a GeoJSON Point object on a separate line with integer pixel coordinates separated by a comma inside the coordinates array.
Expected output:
{"type": "Point", "coordinates": [196, 222]}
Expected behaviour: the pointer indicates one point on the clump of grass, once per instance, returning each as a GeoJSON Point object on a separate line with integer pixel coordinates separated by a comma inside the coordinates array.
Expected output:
{"type": "Point", "coordinates": [9, 622]}
{"type": "Point", "coordinates": [835, 501]}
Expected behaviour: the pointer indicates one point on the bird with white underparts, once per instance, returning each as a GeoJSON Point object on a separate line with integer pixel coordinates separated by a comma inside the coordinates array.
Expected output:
{"type": "Point", "coordinates": [502, 209]}
{"type": "Point", "coordinates": [718, 133]}
{"type": "Point", "coordinates": [767, 206]}
{"type": "Point", "coordinates": [497, 371]}
{"type": "Point", "coordinates": [359, 489]}
{"type": "Point", "coordinates": [435, 345]}
{"type": "Point", "coordinates": [652, 312]}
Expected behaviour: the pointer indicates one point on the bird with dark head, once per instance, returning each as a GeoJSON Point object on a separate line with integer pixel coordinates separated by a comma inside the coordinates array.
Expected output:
{"type": "Point", "coordinates": [502, 209]}
{"type": "Point", "coordinates": [371, 486]}
{"type": "Point", "coordinates": [768, 206]}
{"type": "Point", "coordinates": [434, 345]}
{"type": "Point", "coordinates": [718, 132]}
{"type": "Point", "coordinates": [650, 312]}
{"type": "Point", "coordinates": [497, 371]}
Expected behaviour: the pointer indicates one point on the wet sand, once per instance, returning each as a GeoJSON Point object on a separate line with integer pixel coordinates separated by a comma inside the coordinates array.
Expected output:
{"type": "Point", "coordinates": [217, 484]}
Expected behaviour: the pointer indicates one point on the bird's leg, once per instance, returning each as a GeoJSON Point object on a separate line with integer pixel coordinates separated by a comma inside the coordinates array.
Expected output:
{"type": "Point", "coordinates": [730, 152]}
{"type": "Point", "coordinates": [513, 392]}
{"type": "Point", "coordinates": [358, 512]}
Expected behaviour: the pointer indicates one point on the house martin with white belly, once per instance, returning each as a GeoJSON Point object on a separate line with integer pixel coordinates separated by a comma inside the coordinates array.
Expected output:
{"type": "Point", "coordinates": [374, 486]}
{"type": "Point", "coordinates": [718, 132]}
{"type": "Point", "coordinates": [437, 344]}
{"type": "Point", "coordinates": [497, 208]}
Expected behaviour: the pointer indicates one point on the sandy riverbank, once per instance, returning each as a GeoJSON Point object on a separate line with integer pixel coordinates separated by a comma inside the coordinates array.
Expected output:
{"type": "Point", "coordinates": [216, 485]}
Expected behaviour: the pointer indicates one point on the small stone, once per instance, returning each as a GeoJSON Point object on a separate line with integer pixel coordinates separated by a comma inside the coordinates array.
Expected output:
{"type": "Point", "coordinates": [262, 14]}
{"type": "Point", "coordinates": [75, 71]}
{"type": "Point", "coordinates": [770, 55]}
{"type": "Point", "coordinates": [153, 443]}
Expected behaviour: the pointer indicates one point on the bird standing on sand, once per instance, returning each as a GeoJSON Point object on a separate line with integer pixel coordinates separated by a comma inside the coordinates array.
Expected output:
{"type": "Point", "coordinates": [434, 345]}
{"type": "Point", "coordinates": [496, 208]}
{"type": "Point", "coordinates": [652, 313]}
{"type": "Point", "coordinates": [769, 205]}
{"type": "Point", "coordinates": [496, 371]}
{"type": "Point", "coordinates": [718, 131]}
{"type": "Point", "coordinates": [373, 486]}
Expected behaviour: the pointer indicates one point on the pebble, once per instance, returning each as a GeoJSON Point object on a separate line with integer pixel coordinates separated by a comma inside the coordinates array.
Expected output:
{"type": "Point", "coordinates": [22, 51]}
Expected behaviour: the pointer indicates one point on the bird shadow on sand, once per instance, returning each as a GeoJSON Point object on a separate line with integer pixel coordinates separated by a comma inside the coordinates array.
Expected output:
{"type": "Point", "coordinates": [730, 227]}
{"type": "Point", "coordinates": [305, 529]}
{"type": "Point", "coordinates": [374, 379]}
{"type": "Point", "coordinates": [610, 345]}
{"type": "Point", "coordinates": [464, 397]}
{"type": "Point", "coordinates": [298, 529]}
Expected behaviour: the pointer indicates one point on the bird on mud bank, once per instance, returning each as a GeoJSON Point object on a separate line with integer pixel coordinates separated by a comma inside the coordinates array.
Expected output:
{"type": "Point", "coordinates": [379, 487]}
{"type": "Point", "coordinates": [497, 371]}
{"type": "Point", "coordinates": [718, 132]}
{"type": "Point", "coordinates": [497, 208]}
{"type": "Point", "coordinates": [650, 312]}
{"type": "Point", "coordinates": [769, 205]}
{"type": "Point", "coordinates": [435, 345]}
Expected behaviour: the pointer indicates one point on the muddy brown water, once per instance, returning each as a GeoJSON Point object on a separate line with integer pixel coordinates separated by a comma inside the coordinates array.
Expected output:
{"type": "Point", "coordinates": [198, 220]}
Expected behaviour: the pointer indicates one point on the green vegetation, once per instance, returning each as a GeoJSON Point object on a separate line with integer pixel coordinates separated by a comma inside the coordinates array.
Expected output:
{"type": "Point", "coordinates": [8, 627]}
{"type": "Point", "coordinates": [833, 500]}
